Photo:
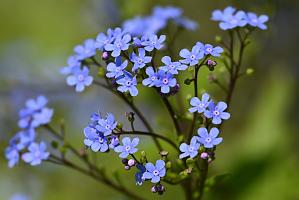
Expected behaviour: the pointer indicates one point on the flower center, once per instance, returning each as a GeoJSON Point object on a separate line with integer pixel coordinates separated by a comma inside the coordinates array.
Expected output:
{"type": "Point", "coordinates": [107, 126]}
{"type": "Point", "coordinates": [192, 57]}
{"type": "Point", "coordinates": [101, 140]}
{"type": "Point", "coordinates": [216, 112]}
{"type": "Point", "coordinates": [153, 78]}
{"type": "Point", "coordinates": [201, 105]}
{"type": "Point", "coordinates": [154, 43]}
{"type": "Point", "coordinates": [191, 148]}
{"type": "Point", "coordinates": [118, 44]}
{"type": "Point", "coordinates": [165, 81]}
{"type": "Point", "coordinates": [233, 21]}
{"type": "Point", "coordinates": [208, 140]}
{"type": "Point", "coordinates": [80, 77]}
{"type": "Point", "coordinates": [37, 154]}
{"type": "Point", "coordinates": [209, 50]}
{"type": "Point", "coordinates": [254, 20]}
{"type": "Point", "coordinates": [117, 69]}
{"type": "Point", "coordinates": [156, 172]}
{"type": "Point", "coordinates": [172, 66]}
{"type": "Point", "coordinates": [128, 83]}
{"type": "Point", "coordinates": [128, 148]}
{"type": "Point", "coordinates": [139, 60]}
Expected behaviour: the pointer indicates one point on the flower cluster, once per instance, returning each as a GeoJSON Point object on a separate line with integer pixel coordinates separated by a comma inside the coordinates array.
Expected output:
{"type": "Point", "coordinates": [35, 114]}
{"type": "Point", "coordinates": [158, 20]}
{"type": "Point", "coordinates": [229, 18]}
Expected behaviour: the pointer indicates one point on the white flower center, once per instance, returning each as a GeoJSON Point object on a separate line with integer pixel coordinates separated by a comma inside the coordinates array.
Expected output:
{"type": "Point", "coordinates": [216, 112]}
{"type": "Point", "coordinates": [80, 77]}
{"type": "Point", "coordinates": [128, 148]}
{"type": "Point", "coordinates": [156, 172]}
{"type": "Point", "coordinates": [192, 57]}
{"type": "Point", "coordinates": [165, 81]}
{"type": "Point", "coordinates": [37, 154]}
{"type": "Point", "coordinates": [208, 140]}
{"type": "Point", "coordinates": [153, 78]}
{"type": "Point", "coordinates": [128, 83]}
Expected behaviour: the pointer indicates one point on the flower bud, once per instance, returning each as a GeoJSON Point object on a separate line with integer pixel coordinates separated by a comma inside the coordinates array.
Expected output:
{"type": "Point", "coordinates": [211, 64]}
{"type": "Point", "coordinates": [131, 162]}
{"type": "Point", "coordinates": [127, 167]}
{"type": "Point", "coordinates": [204, 155]}
{"type": "Point", "coordinates": [105, 55]}
{"type": "Point", "coordinates": [125, 161]}
{"type": "Point", "coordinates": [154, 189]}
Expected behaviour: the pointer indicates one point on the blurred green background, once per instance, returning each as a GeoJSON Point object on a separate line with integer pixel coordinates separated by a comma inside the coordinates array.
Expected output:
{"type": "Point", "coordinates": [260, 148]}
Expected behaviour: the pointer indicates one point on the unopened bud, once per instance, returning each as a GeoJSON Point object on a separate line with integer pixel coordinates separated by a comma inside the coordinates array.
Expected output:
{"type": "Point", "coordinates": [204, 155]}
{"type": "Point", "coordinates": [131, 162]}
{"type": "Point", "coordinates": [127, 167]}
{"type": "Point", "coordinates": [105, 55]}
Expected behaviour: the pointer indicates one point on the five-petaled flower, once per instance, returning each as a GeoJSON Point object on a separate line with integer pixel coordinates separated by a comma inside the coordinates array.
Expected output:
{"type": "Point", "coordinates": [115, 70]}
{"type": "Point", "coordinates": [141, 60]}
{"type": "Point", "coordinates": [128, 147]}
{"type": "Point", "coordinates": [152, 77]}
{"type": "Point", "coordinates": [165, 81]}
{"type": "Point", "coordinates": [95, 139]}
{"type": "Point", "coordinates": [128, 83]}
{"type": "Point", "coordinates": [37, 153]}
{"type": "Point", "coordinates": [80, 79]}
{"type": "Point", "coordinates": [120, 44]}
{"type": "Point", "coordinates": [191, 57]}
{"type": "Point", "coordinates": [155, 172]}
{"type": "Point", "coordinates": [257, 21]}
{"type": "Point", "coordinates": [199, 105]}
{"type": "Point", "coordinates": [86, 50]}
{"type": "Point", "coordinates": [217, 112]}
{"type": "Point", "coordinates": [106, 126]}
{"type": "Point", "coordinates": [153, 42]}
{"type": "Point", "coordinates": [190, 150]}
{"type": "Point", "coordinates": [172, 67]}
{"type": "Point", "coordinates": [208, 140]}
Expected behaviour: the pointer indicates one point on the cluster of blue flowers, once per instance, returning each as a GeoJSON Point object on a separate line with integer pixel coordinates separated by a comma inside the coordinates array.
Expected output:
{"type": "Point", "coordinates": [23, 144]}
{"type": "Point", "coordinates": [230, 18]}
{"type": "Point", "coordinates": [160, 17]}
{"type": "Point", "coordinates": [215, 113]}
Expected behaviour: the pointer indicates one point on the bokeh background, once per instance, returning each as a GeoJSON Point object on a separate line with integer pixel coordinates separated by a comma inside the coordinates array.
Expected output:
{"type": "Point", "coordinates": [260, 148]}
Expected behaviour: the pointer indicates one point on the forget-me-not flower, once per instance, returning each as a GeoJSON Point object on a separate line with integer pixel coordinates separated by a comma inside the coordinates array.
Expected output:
{"type": "Point", "coordinates": [102, 39]}
{"type": "Point", "coordinates": [165, 81]}
{"type": "Point", "coordinates": [115, 70]}
{"type": "Point", "coordinates": [155, 172]}
{"type": "Point", "coordinates": [106, 126]}
{"type": "Point", "coordinates": [86, 50]}
{"type": "Point", "coordinates": [199, 105]}
{"type": "Point", "coordinates": [190, 150]}
{"type": "Point", "coordinates": [209, 49]}
{"type": "Point", "coordinates": [217, 112]}
{"type": "Point", "coordinates": [153, 42]}
{"type": "Point", "coordinates": [95, 139]}
{"type": "Point", "coordinates": [128, 147]}
{"type": "Point", "coordinates": [72, 64]}
{"type": "Point", "coordinates": [12, 155]}
{"type": "Point", "coordinates": [172, 67]}
{"type": "Point", "coordinates": [141, 60]}
{"type": "Point", "coordinates": [257, 21]}
{"type": "Point", "coordinates": [121, 43]}
{"type": "Point", "coordinates": [37, 153]}
{"type": "Point", "coordinates": [128, 83]}
{"type": "Point", "coordinates": [152, 77]}
{"type": "Point", "coordinates": [208, 140]}
{"type": "Point", "coordinates": [138, 175]}
{"type": "Point", "coordinates": [80, 79]}
{"type": "Point", "coordinates": [191, 57]}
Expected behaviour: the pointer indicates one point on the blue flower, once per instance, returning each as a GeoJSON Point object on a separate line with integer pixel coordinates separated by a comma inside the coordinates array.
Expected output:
{"type": "Point", "coordinates": [128, 83]}
{"type": "Point", "coordinates": [190, 150]}
{"type": "Point", "coordinates": [106, 126]}
{"type": "Point", "coordinates": [209, 49]}
{"type": "Point", "coordinates": [224, 15]}
{"type": "Point", "coordinates": [255, 21]}
{"type": "Point", "coordinates": [172, 67]}
{"type": "Point", "coordinates": [121, 43]}
{"type": "Point", "coordinates": [116, 69]}
{"type": "Point", "coordinates": [35, 113]}
{"type": "Point", "coordinates": [12, 155]}
{"type": "Point", "coordinates": [155, 172]}
{"type": "Point", "coordinates": [165, 81]}
{"type": "Point", "coordinates": [23, 139]}
{"type": "Point", "coordinates": [208, 140]}
{"type": "Point", "coordinates": [95, 139]}
{"type": "Point", "coordinates": [140, 60]}
{"type": "Point", "coordinates": [153, 42]}
{"type": "Point", "coordinates": [102, 39]}
{"type": "Point", "coordinates": [168, 12]}
{"type": "Point", "coordinates": [37, 153]}
{"type": "Point", "coordinates": [72, 64]}
{"type": "Point", "coordinates": [86, 50]}
{"type": "Point", "coordinates": [79, 79]}
{"type": "Point", "coordinates": [127, 147]}
{"type": "Point", "coordinates": [229, 19]}
{"type": "Point", "coordinates": [199, 105]}
{"type": "Point", "coordinates": [152, 77]}
{"type": "Point", "coordinates": [216, 112]}
{"type": "Point", "coordinates": [192, 58]}
{"type": "Point", "coordinates": [138, 175]}
{"type": "Point", "coordinates": [19, 197]}
{"type": "Point", "coordinates": [114, 142]}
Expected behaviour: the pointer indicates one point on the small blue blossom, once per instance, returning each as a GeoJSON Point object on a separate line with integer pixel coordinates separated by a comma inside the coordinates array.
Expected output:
{"type": "Point", "coordinates": [114, 141]}
{"type": "Point", "coordinates": [153, 42]}
{"type": "Point", "coordinates": [95, 139]}
{"type": "Point", "coordinates": [155, 172]}
{"type": "Point", "coordinates": [128, 83]}
{"type": "Point", "coordinates": [208, 140]}
{"type": "Point", "coordinates": [165, 81]}
{"type": "Point", "coordinates": [22, 139]}
{"type": "Point", "coordinates": [102, 39]}
{"type": "Point", "coordinates": [116, 69]}
{"type": "Point", "coordinates": [12, 155]}
{"type": "Point", "coordinates": [172, 67]}
{"type": "Point", "coordinates": [128, 147]}
{"type": "Point", "coordinates": [72, 64]}
{"type": "Point", "coordinates": [86, 50]}
{"type": "Point", "coordinates": [119, 44]}
{"type": "Point", "coordinates": [37, 153]}
{"type": "Point", "coordinates": [152, 77]}
{"type": "Point", "coordinates": [229, 19]}
{"type": "Point", "coordinates": [209, 49]}
{"type": "Point", "coordinates": [168, 12]}
{"type": "Point", "coordinates": [35, 113]}
{"type": "Point", "coordinates": [192, 58]}
{"type": "Point", "coordinates": [190, 150]}
{"type": "Point", "coordinates": [224, 15]}
{"type": "Point", "coordinates": [80, 79]}
{"type": "Point", "coordinates": [141, 60]}
{"type": "Point", "coordinates": [138, 175]}
{"type": "Point", "coordinates": [106, 126]}
{"type": "Point", "coordinates": [255, 21]}
{"type": "Point", "coordinates": [199, 105]}
{"type": "Point", "coordinates": [216, 112]}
